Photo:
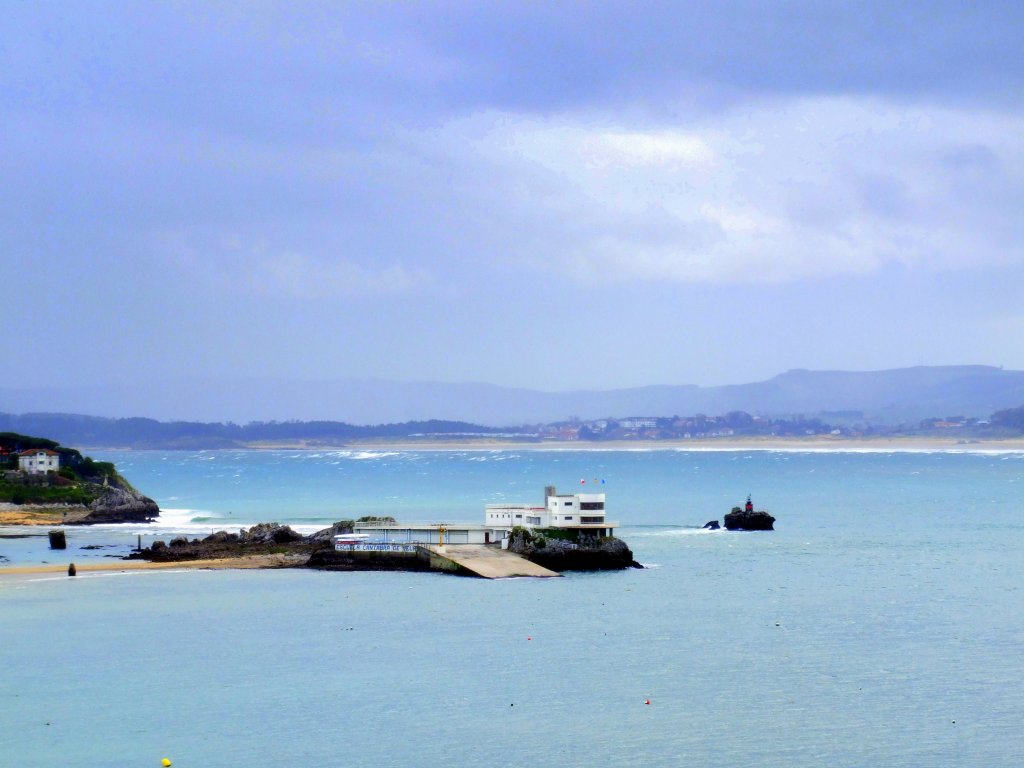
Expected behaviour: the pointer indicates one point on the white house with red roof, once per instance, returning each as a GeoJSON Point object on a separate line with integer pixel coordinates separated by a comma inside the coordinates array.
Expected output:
{"type": "Point", "coordinates": [38, 461]}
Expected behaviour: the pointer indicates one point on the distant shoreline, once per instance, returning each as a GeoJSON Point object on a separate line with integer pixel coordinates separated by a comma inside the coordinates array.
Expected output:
{"type": "Point", "coordinates": [817, 443]}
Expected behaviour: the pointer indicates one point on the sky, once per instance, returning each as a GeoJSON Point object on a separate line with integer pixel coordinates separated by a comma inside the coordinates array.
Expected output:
{"type": "Point", "coordinates": [545, 195]}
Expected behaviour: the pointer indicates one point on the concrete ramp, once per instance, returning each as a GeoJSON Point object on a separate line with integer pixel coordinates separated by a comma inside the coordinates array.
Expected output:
{"type": "Point", "coordinates": [481, 560]}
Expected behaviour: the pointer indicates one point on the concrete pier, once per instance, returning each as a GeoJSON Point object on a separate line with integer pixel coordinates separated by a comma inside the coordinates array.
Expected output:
{"type": "Point", "coordinates": [480, 560]}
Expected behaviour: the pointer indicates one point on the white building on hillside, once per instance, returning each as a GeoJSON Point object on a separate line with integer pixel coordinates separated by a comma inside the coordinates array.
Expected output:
{"type": "Point", "coordinates": [38, 461]}
{"type": "Point", "coordinates": [583, 512]}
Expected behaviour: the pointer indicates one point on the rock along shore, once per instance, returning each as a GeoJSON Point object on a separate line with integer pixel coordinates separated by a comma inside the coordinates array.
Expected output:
{"type": "Point", "coordinates": [583, 554]}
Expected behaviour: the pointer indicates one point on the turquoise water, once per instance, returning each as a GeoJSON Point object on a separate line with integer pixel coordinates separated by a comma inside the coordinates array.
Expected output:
{"type": "Point", "coordinates": [880, 625]}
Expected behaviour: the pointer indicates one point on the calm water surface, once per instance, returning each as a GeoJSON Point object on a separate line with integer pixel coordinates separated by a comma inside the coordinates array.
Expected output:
{"type": "Point", "coordinates": [880, 625]}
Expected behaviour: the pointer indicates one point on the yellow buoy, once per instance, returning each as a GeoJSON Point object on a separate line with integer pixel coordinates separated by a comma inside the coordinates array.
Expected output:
{"type": "Point", "coordinates": [165, 763]}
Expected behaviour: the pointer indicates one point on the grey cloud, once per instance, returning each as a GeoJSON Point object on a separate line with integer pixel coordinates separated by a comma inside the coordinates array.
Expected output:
{"type": "Point", "coordinates": [633, 153]}
{"type": "Point", "coordinates": [330, 72]}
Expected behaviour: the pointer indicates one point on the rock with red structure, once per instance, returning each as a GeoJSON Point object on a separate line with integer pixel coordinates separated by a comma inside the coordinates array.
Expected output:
{"type": "Point", "coordinates": [749, 519]}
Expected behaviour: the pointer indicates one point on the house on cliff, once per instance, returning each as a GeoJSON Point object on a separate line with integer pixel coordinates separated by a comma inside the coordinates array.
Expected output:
{"type": "Point", "coordinates": [38, 461]}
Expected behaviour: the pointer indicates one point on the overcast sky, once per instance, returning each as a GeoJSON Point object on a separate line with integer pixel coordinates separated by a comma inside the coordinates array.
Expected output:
{"type": "Point", "coordinates": [545, 195]}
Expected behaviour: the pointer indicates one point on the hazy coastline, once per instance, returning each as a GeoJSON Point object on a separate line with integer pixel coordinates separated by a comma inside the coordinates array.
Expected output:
{"type": "Point", "coordinates": [721, 444]}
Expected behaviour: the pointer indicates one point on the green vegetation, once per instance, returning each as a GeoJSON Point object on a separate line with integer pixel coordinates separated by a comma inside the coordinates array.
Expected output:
{"type": "Point", "coordinates": [43, 494]}
{"type": "Point", "coordinates": [80, 479]}
{"type": "Point", "coordinates": [523, 534]}
{"type": "Point", "coordinates": [565, 534]}
{"type": "Point", "coordinates": [1012, 419]}
{"type": "Point", "coordinates": [24, 442]}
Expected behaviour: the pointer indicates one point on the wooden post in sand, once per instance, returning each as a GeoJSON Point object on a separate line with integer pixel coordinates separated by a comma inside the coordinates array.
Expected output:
{"type": "Point", "coordinates": [72, 571]}
{"type": "Point", "coordinates": [57, 540]}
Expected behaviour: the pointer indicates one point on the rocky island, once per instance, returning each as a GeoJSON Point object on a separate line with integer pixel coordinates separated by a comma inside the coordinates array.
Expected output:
{"type": "Point", "coordinates": [291, 549]}
{"type": "Point", "coordinates": [749, 519]}
{"type": "Point", "coordinates": [45, 483]}
{"type": "Point", "coordinates": [744, 519]}
{"type": "Point", "coordinates": [568, 533]}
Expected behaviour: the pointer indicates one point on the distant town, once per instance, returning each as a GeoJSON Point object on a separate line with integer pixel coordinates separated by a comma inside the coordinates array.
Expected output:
{"type": "Point", "coordinates": [1006, 423]}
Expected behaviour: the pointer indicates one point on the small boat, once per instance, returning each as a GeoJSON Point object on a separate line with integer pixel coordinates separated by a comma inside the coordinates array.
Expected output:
{"type": "Point", "coordinates": [349, 539]}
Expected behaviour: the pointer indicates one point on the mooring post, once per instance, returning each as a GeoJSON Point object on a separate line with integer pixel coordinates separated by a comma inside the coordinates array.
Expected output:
{"type": "Point", "coordinates": [57, 540]}
{"type": "Point", "coordinates": [139, 547]}
{"type": "Point", "coordinates": [71, 570]}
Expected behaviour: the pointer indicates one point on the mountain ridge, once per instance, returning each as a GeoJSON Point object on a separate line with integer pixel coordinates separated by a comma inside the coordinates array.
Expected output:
{"type": "Point", "coordinates": [886, 396]}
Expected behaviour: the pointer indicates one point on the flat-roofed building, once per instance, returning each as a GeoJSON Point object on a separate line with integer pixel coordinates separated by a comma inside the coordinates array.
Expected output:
{"type": "Point", "coordinates": [580, 513]}
{"type": "Point", "coordinates": [583, 512]}
{"type": "Point", "coordinates": [425, 533]}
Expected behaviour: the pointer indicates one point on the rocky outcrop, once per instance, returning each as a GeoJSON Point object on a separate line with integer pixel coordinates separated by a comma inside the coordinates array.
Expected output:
{"type": "Point", "coordinates": [262, 539]}
{"type": "Point", "coordinates": [326, 536]}
{"type": "Point", "coordinates": [712, 525]}
{"type": "Point", "coordinates": [749, 520]}
{"type": "Point", "coordinates": [583, 554]}
{"type": "Point", "coordinates": [118, 505]}
{"type": "Point", "coordinates": [268, 533]}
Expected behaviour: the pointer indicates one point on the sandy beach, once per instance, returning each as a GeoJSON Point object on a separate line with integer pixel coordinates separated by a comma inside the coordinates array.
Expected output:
{"type": "Point", "coordinates": [27, 514]}
{"type": "Point", "coordinates": [248, 562]}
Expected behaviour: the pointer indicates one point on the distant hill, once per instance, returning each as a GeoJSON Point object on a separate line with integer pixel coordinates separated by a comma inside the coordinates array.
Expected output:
{"type": "Point", "coordinates": [885, 397]}
{"type": "Point", "coordinates": [190, 435]}
{"type": "Point", "coordinates": [893, 396]}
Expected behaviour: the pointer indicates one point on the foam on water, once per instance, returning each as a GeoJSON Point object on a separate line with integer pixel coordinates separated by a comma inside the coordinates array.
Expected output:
{"type": "Point", "coordinates": [884, 607]}
{"type": "Point", "coordinates": [640, 533]}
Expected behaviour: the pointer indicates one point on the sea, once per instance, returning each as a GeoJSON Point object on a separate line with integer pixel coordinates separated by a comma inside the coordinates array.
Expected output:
{"type": "Point", "coordinates": [880, 624]}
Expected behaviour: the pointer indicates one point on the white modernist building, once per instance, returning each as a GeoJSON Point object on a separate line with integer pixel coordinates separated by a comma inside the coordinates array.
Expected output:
{"type": "Point", "coordinates": [580, 512]}
{"type": "Point", "coordinates": [583, 512]}
{"type": "Point", "coordinates": [38, 461]}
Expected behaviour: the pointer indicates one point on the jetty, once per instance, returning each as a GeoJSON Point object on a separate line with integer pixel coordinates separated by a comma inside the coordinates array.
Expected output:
{"type": "Point", "coordinates": [488, 562]}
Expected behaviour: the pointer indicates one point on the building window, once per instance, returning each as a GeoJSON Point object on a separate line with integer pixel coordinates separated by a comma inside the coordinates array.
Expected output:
{"type": "Point", "coordinates": [568, 517]}
{"type": "Point", "coordinates": [592, 505]}
{"type": "Point", "coordinates": [568, 503]}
